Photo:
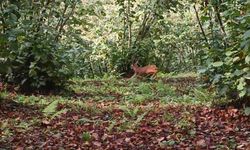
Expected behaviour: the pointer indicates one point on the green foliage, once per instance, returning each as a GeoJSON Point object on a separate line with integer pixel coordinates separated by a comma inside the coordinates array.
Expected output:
{"type": "Point", "coordinates": [86, 136]}
{"type": "Point", "coordinates": [136, 92]}
{"type": "Point", "coordinates": [144, 88]}
{"type": "Point", "coordinates": [84, 120]}
{"type": "Point", "coordinates": [3, 95]}
{"type": "Point", "coordinates": [164, 89]}
{"type": "Point", "coordinates": [58, 113]}
{"type": "Point", "coordinates": [203, 95]}
{"type": "Point", "coordinates": [34, 38]}
{"type": "Point", "coordinates": [186, 121]}
{"type": "Point", "coordinates": [132, 112]}
{"type": "Point", "coordinates": [151, 32]}
{"type": "Point", "coordinates": [227, 51]}
{"type": "Point", "coordinates": [247, 111]}
{"type": "Point", "coordinates": [168, 117]}
{"type": "Point", "coordinates": [44, 43]}
{"type": "Point", "coordinates": [5, 129]}
{"type": "Point", "coordinates": [51, 108]}
{"type": "Point", "coordinates": [111, 126]}
{"type": "Point", "coordinates": [139, 119]}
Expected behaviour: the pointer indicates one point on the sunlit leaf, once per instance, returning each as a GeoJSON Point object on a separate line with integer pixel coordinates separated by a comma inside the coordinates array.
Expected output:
{"type": "Point", "coordinates": [247, 111]}
{"type": "Point", "coordinates": [217, 64]}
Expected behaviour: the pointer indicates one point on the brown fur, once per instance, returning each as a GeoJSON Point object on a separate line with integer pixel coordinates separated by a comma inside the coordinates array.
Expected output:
{"type": "Point", "coordinates": [145, 71]}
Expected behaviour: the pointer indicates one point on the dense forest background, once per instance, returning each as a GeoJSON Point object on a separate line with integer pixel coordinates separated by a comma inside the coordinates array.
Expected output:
{"type": "Point", "coordinates": [81, 74]}
{"type": "Point", "coordinates": [44, 43]}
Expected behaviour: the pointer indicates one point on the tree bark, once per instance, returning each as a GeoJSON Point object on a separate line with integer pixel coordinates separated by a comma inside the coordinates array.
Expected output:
{"type": "Point", "coordinates": [202, 30]}
{"type": "Point", "coordinates": [129, 25]}
{"type": "Point", "coordinates": [219, 19]}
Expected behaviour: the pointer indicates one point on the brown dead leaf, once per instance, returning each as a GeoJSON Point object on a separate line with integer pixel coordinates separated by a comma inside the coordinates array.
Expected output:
{"type": "Point", "coordinates": [201, 143]}
{"type": "Point", "coordinates": [160, 139]}
{"type": "Point", "coordinates": [95, 135]}
{"type": "Point", "coordinates": [119, 141]}
{"type": "Point", "coordinates": [229, 129]}
{"type": "Point", "coordinates": [45, 122]}
{"type": "Point", "coordinates": [98, 144]}
{"type": "Point", "coordinates": [19, 148]}
{"type": "Point", "coordinates": [248, 146]}
{"type": "Point", "coordinates": [75, 117]}
{"type": "Point", "coordinates": [127, 140]}
{"type": "Point", "coordinates": [104, 137]}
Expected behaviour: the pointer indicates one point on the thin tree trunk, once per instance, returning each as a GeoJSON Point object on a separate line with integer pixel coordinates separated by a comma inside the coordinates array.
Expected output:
{"type": "Point", "coordinates": [129, 25]}
{"type": "Point", "coordinates": [61, 19]}
{"type": "Point", "coordinates": [219, 19]}
{"type": "Point", "coordinates": [92, 70]}
{"type": "Point", "coordinates": [217, 11]}
{"type": "Point", "coordinates": [211, 24]}
{"type": "Point", "coordinates": [63, 23]}
{"type": "Point", "coordinates": [144, 29]}
{"type": "Point", "coordinates": [125, 25]}
{"type": "Point", "coordinates": [202, 30]}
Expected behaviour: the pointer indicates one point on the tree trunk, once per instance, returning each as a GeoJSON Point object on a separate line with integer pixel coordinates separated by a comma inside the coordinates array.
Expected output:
{"type": "Point", "coordinates": [129, 25]}
{"type": "Point", "coordinates": [202, 30]}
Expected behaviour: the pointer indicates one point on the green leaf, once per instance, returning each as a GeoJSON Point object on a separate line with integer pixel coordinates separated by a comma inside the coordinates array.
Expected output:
{"type": "Point", "coordinates": [4, 67]}
{"type": "Point", "coordinates": [59, 113]}
{"type": "Point", "coordinates": [246, 69]}
{"type": "Point", "coordinates": [238, 72]}
{"type": "Point", "coordinates": [217, 64]}
{"type": "Point", "coordinates": [84, 120]}
{"type": "Point", "coordinates": [247, 34]}
{"type": "Point", "coordinates": [236, 59]}
{"type": "Point", "coordinates": [32, 73]}
{"type": "Point", "coordinates": [229, 53]}
{"type": "Point", "coordinates": [51, 108]}
{"type": "Point", "coordinates": [241, 84]}
{"type": "Point", "coordinates": [217, 78]}
{"type": "Point", "coordinates": [242, 93]}
{"type": "Point", "coordinates": [201, 71]}
{"type": "Point", "coordinates": [32, 65]}
{"type": "Point", "coordinates": [247, 111]}
{"type": "Point", "coordinates": [86, 136]}
{"type": "Point", "coordinates": [247, 59]}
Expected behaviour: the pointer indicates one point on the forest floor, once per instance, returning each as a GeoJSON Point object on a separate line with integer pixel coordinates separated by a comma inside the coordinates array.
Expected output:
{"type": "Point", "coordinates": [172, 112]}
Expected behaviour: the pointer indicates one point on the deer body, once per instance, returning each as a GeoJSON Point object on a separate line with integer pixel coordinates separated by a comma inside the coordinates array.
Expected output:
{"type": "Point", "coordinates": [150, 70]}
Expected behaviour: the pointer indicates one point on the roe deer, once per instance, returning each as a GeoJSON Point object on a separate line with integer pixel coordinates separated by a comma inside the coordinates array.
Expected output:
{"type": "Point", "coordinates": [149, 70]}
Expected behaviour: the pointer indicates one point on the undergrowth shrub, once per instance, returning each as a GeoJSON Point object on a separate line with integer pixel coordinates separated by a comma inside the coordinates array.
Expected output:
{"type": "Point", "coordinates": [227, 57]}
{"type": "Point", "coordinates": [32, 48]}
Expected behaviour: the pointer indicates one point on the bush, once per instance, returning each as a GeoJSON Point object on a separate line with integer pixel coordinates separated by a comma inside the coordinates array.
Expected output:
{"type": "Point", "coordinates": [228, 57]}
{"type": "Point", "coordinates": [31, 43]}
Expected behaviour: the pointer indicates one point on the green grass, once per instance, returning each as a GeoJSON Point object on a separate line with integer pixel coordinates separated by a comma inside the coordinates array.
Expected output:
{"type": "Point", "coordinates": [132, 91]}
{"type": "Point", "coordinates": [125, 94]}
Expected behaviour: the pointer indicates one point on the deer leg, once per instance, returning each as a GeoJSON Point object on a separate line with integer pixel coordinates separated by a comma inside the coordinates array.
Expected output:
{"type": "Point", "coordinates": [153, 76]}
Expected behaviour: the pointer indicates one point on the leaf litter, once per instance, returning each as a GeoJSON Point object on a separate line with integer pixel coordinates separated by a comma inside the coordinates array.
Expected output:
{"type": "Point", "coordinates": [160, 127]}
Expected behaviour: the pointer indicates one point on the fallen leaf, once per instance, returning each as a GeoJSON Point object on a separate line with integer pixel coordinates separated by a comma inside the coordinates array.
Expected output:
{"type": "Point", "coordinates": [95, 135]}
{"type": "Point", "coordinates": [160, 139]}
{"type": "Point", "coordinates": [75, 117]}
{"type": "Point", "coordinates": [201, 143]}
{"type": "Point", "coordinates": [98, 144]}
{"type": "Point", "coordinates": [127, 139]}
{"type": "Point", "coordinates": [45, 122]}
{"type": "Point", "coordinates": [104, 137]}
{"type": "Point", "coordinates": [19, 148]}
